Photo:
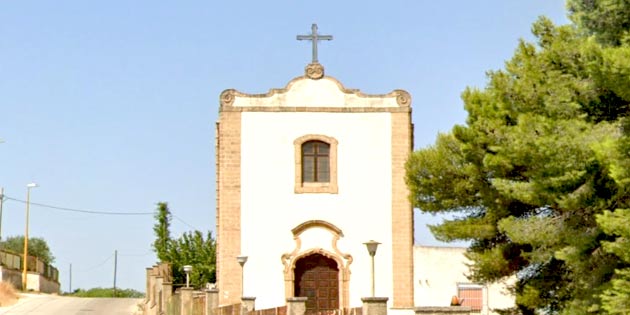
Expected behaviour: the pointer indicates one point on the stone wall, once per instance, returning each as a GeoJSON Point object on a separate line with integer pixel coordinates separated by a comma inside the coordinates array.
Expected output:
{"type": "Point", "coordinates": [439, 271]}
{"type": "Point", "coordinates": [34, 281]}
{"type": "Point", "coordinates": [41, 277]}
{"type": "Point", "coordinates": [445, 310]}
{"type": "Point", "coordinates": [11, 276]}
{"type": "Point", "coordinates": [38, 283]}
{"type": "Point", "coordinates": [159, 293]}
{"type": "Point", "coordinates": [187, 301]}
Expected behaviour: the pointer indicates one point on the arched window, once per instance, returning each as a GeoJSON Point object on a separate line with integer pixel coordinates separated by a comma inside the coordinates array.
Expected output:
{"type": "Point", "coordinates": [315, 164]}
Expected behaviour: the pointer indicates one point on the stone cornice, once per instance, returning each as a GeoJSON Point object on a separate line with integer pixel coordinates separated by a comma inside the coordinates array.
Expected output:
{"type": "Point", "coordinates": [312, 73]}
{"type": "Point", "coordinates": [318, 109]}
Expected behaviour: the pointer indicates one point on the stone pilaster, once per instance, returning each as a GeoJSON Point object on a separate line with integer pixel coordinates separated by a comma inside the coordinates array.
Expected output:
{"type": "Point", "coordinates": [228, 169]}
{"type": "Point", "coordinates": [167, 292]}
{"type": "Point", "coordinates": [159, 295]}
{"type": "Point", "coordinates": [186, 300]}
{"type": "Point", "coordinates": [212, 301]}
{"type": "Point", "coordinates": [402, 211]}
{"type": "Point", "coordinates": [374, 305]}
{"type": "Point", "coordinates": [247, 304]}
{"type": "Point", "coordinates": [296, 305]}
{"type": "Point", "coordinates": [147, 296]}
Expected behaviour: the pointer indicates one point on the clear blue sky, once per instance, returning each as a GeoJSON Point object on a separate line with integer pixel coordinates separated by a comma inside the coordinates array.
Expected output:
{"type": "Point", "coordinates": [111, 105]}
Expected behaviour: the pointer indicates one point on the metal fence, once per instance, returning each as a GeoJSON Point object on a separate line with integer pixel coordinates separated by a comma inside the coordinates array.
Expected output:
{"type": "Point", "coordinates": [174, 305]}
{"type": "Point", "coordinates": [198, 304]}
{"type": "Point", "coordinates": [234, 309]}
{"type": "Point", "coordinates": [343, 311]}
{"type": "Point", "coordinates": [281, 310]}
{"type": "Point", "coordinates": [12, 260]}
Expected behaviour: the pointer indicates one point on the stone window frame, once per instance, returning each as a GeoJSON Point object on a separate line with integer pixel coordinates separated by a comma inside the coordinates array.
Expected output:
{"type": "Point", "coordinates": [329, 187]}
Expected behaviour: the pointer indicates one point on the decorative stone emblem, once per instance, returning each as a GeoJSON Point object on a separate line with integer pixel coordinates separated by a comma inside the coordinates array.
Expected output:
{"type": "Point", "coordinates": [403, 98]}
{"type": "Point", "coordinates": [314, 71]}
{"type": "Point", "coordinates": [227, 98]}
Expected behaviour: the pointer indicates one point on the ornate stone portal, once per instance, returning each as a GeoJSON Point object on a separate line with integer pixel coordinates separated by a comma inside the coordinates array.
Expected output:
{"type": "Point", "coordinates": [313, 233]}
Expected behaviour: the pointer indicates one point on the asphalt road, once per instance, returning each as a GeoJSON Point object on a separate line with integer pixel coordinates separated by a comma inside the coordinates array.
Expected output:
{"type": "Point", "coordinates": [62, 305]}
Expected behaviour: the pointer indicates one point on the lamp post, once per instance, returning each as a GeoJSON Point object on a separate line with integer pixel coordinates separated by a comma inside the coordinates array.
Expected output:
{"type": "Point", "coordinates": [241, 261]}
{"type": "Point", "coordinates": [187, 270]}
{"type": "Point", "coordinates": [371, 247]}
{"type": "Point", "coordinates": [25, 263]}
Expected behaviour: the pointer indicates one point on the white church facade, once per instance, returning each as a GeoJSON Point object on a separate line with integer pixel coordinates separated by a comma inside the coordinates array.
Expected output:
{"type": "Point", "coordinates": [307, 174]}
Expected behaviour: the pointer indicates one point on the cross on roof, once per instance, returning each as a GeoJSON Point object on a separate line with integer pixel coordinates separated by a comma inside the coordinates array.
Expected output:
{"type": "Point", "coordinates": [314, 37]}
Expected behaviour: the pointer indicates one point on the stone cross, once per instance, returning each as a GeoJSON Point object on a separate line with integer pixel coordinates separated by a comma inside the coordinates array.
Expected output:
{"type": "Point", "coordinates": [314, 37]}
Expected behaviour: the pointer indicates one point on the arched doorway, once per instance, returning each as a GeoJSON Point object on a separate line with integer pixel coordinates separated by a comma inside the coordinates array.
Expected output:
{"type": "Point", "coordinates": [317, 278]}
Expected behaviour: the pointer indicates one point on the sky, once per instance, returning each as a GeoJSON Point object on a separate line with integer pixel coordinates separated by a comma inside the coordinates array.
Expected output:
{"type": "Point", "coordinates": [110, 106]}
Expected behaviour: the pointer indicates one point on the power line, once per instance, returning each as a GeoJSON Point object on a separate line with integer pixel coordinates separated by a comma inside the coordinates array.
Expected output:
{"type": "Point", "coordinates": [95, 211]}
{"type": "Point", "coordinates": [79, 210]}
{"type": "Point", "coordinates": [182, 221]}
{"type": "Point", "coordinates": [136, 255]}
{"type": "Point", "coordinates": [99, 265]}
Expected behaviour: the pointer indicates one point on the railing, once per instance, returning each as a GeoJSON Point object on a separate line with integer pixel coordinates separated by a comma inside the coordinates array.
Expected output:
{"type": "Point", "coordinates": [199, 304]}
{"type": "Point", "coordinates": [174, 305]}
{"type": "Point", "coordinates": [353, 311]}
{"type": "Point", "coordinates": [281, 310]}
{"type": "Point", "coordinates": [10, 260]}
{"type": "Point", "coordinates": [14, 261]}
{"type": "Point", "coordinates": [234, 309]}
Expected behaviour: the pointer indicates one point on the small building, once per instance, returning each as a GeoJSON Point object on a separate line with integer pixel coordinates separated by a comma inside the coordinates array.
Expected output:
{"type": "Point", "coordinates": [440, 274]}
{"type": "Point", "coordinates": [307, 174]}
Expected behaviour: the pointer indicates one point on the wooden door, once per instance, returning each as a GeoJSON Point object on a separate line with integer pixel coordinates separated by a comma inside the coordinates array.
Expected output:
{"type": "Point", "coordinates": [317, 278]}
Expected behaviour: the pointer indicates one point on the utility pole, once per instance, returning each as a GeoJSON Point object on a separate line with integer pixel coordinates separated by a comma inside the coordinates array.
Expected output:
{"type": "Point", "coordinates": [70, 282]}
{"type": "Point", "coordinates": [1, 201]}
{"type": "Point", "coordinates": [115, 266]}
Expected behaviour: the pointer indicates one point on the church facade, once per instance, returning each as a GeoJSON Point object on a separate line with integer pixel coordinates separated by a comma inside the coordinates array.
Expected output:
{"type": "Point", "coordinates": [307, 174]}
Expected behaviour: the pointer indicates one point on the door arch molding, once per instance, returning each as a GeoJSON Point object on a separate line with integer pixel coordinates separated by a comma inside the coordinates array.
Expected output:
{"type": "Point", "coordinates": [331, 251]}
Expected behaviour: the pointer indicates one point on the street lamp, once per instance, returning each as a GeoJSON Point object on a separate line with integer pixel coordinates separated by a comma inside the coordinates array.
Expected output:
{"type": "Point", "coordinates": [25, 263]}
{"type": "Point", "coordinates": [187, 270]}
{"type": "Point", "coordinates": [371, 247]}
{"type": "Point", "coordinates": [241, 261]}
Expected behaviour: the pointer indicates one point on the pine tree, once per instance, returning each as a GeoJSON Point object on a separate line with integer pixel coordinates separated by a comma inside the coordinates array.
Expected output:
{"type": "Point", "coordinates": [536, 174]}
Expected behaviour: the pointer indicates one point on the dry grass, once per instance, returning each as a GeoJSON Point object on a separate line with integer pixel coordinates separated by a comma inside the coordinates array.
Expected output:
{"type": "Point", "coordinates": [8, 295]}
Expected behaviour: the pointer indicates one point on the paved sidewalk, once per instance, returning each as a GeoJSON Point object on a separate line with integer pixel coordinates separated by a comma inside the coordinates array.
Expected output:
{"type": "Point", "coordinates": [45, 304]}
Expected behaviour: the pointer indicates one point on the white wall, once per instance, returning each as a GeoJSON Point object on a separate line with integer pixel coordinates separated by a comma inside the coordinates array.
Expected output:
{"type": "Point", "coordinates": [270, 208]}
{"type": "Point", "coordinates": [437, 272]}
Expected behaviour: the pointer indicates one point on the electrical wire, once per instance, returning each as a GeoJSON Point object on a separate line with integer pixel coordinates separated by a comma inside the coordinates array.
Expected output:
{"type": "Point", "coordinates": [182, 221]}
{"type": "Point", "coordinates": [79, 210]}
{"type": "Point", "coordinates": [94, 211]}
{"type": "Point", "coordinates": [99, 265]}
{"type": "Point", "coordinates": [136, 255]}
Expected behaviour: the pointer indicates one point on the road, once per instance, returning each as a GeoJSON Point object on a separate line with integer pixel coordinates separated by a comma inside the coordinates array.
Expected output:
{"type": "Point", "coordinates": [41, 304]}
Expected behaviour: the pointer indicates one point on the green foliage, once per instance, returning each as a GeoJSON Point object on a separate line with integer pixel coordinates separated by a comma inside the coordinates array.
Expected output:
{"type": "Point", "coordinates": [609, 20]}
{"type": "Point", "coordinates": [36, 247]}
{"type": "Point", "coordinates": [162, 242]}
{"type": "Point", "coordinates": [107, 293]}
{"type": "Point", "coordinates": [617, 297]}
{"type": "Point", "coordinates": [538, 175]}
{"type": "Point", "coordinates": [192, 248]}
